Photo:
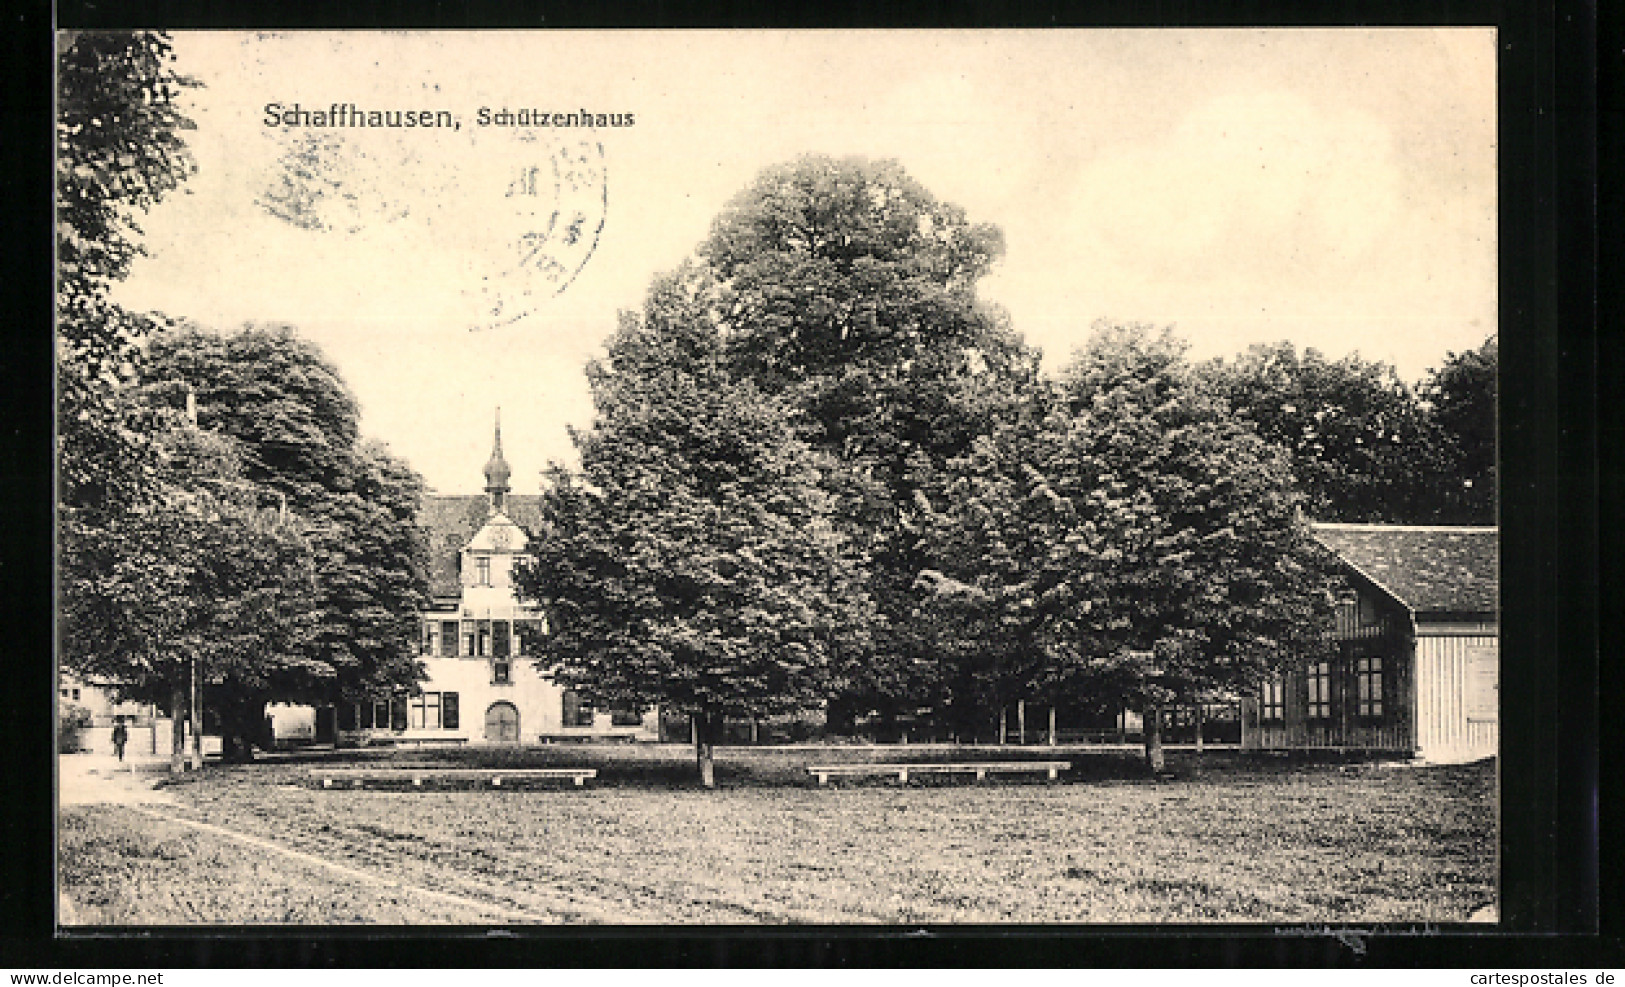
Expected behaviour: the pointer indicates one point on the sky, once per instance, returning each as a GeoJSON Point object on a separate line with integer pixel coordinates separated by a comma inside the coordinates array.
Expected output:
{"type": "Point", "coordinates": [1335, 188]}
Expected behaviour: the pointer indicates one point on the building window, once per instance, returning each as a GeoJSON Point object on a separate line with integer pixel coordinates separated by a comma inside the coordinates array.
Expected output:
{"type": "Point", "coordinates": [482, 570]}
{"type": "Point", "coordinates": [1320, 690]}
{"type": "Point", "coordinates": [576, 713]}
{"type": "Point", "coordinates": [380, 715]}
{"type": "Point", "coordinates": [625, 716]}
{"type": "Point", "coordinates": [64, 693]}
{"type": "Point", "coordinates": [1368, 685]}
{"type": "Point", "coordinates": [469, 639]}
{"type": "Point", "coordinates": [500, 673]}
{"type": "Point", "coordinates": [527, 636]}
{"type": "Point", "coordinates": [426, 711]}
{"type": "Point", "coordinates": [428, 637]}
{"type": "Point", "coordinates": [500, 639]}
{"type": "Point", "coordinates": [449, 713]}
{"type": "Point", "coordinates": [448, 638]}
{"type": "Point", "coordinates": [1272, 701]}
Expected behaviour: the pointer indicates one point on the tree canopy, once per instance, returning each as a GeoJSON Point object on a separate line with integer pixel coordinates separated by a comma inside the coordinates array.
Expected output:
{"type": "Point", "coordinates": [1362, 446]}
{"type": "Point", "coordinates": [119, 151]}
{"type": "Point", "coordinates": [695, 562]}
{"type": "Point", "coordinates": [1128, 540]}
{"type": "Point", "coordinates": [1461, 397]}
{"type": "Point", "coordinates": [288, 408]}
{"type": "Point", "coordinates": [202, 572]}
{"type": "Point", "coordinates": [847, 289]}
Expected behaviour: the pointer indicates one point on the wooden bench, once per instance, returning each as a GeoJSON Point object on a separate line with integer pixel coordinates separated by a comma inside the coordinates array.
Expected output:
{"type": "Point", "coordinates": [417, 775]}
{"type": "Point", "coordinates": [824, 772]}
{"type": "Point", "coordinates": [621, 736]}
{"type": "Point", "coordinates": [419, 742]}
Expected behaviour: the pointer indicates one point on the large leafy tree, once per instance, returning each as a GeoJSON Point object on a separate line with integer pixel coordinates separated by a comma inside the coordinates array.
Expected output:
{"type": "Point", "coordinates": [694, 563]}
{"type": "Point", "coordinates": [276, 395]}
{"type": "Point", "coordinates": [1460, 396]}
{"type": "Point", "coordinates": [1363, 448]}
{"type": "Point", "coordinates": [202, 578]}
{"type": "Point", "coordinates": [998, 538]}
{"type": "Point", "coordinates": [1130, 542]}
{"type": "Point", "coordinates": [845, 288]}
{"type": "Point", "coordinates": [119, 151]}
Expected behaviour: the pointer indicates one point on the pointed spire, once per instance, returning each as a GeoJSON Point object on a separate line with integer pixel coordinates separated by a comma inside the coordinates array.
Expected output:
{"type": "Point", "coordinates": [497, 471]}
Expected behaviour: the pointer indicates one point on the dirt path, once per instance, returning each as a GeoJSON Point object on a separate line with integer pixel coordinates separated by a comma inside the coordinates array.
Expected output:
{"type": "Point", "coordinates": [101, 780]}
{"type": "Point", "coordinates": [90, 779]}
{"type": "Point", "coordinates": [558, 909]}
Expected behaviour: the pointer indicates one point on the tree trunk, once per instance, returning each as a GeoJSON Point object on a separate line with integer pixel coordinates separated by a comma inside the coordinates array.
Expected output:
{"type": "Point", "coordinates": [1153, 739]}
{"type": "Point", "coordinates": [1021, 721]}
{"type": "Point", "coordinates": [177, 731]}
{"type": "Point", "coordinates": [704, 747]}
{"type": "Point", "coordinates": [197, 720]}
{"type": "Point", "coordinates": [1052, 725]}
{"type": "Point", "coordinates": [1198, 727]}
{"type": "Point", "coordinates": [1001, 724]}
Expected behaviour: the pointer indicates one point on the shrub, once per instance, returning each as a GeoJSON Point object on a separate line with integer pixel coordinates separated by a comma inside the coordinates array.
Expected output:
{"type": "Point", "coordinates": [71, 723]}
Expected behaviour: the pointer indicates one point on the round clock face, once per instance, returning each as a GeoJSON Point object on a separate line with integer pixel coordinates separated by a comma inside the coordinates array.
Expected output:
{"type": "Point", "coordinates": [501, 538]}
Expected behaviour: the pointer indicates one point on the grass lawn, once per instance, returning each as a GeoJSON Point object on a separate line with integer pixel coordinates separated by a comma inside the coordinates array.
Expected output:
{"type": "Point", "coordinates": [1229, 840]}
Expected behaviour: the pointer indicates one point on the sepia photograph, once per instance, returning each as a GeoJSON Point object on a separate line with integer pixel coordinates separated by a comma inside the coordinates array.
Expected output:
{"type": "Point", "coordinates": [768, 477]}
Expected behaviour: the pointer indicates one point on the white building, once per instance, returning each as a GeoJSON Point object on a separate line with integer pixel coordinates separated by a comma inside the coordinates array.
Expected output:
{"type": "Point", "coordinates": [483, 685]}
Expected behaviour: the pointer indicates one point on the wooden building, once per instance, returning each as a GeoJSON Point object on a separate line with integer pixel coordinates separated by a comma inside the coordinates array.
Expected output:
{"type": "Point", "coordinates": [1416, 669]}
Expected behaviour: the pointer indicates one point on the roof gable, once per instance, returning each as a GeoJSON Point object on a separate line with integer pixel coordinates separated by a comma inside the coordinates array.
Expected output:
{"type": "Point", "coordinates": [1431, 570]}
{"type": "Point", "coordinates": [452, 521]}
{"type": "Point", "coordinates": [500, 534]}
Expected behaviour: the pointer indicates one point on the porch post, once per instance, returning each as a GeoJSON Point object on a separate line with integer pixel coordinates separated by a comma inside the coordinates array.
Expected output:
{"type": "Point", "coordinates": [197, 719]}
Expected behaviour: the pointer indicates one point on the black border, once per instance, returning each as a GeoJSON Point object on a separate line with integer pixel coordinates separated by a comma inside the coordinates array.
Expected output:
{"type": "Point", "coordinates": [1550, 468]}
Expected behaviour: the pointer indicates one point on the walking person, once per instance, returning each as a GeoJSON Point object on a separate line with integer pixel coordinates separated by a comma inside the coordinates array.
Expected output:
{"type": "Point", "coordinates": [120, 737]}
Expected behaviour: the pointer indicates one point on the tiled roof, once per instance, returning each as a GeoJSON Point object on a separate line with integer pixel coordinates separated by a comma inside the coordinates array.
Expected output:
{"type": "Point", "coordinates": [1432, 570]}
{"type": "Point", "coordinates": [452, 519]}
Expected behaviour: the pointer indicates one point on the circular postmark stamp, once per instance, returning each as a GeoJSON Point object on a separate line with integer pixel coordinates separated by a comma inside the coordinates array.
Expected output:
{"type": "Point", "coordinates": [503, 222]}
{"type": "Point", "coordinates": [559, 205]}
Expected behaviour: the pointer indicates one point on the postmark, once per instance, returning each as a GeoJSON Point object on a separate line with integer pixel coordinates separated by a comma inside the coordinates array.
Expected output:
{"type": "Point", "coordinates": [560, 204]}
{"type": "Point", "coordinates": [517, 218]}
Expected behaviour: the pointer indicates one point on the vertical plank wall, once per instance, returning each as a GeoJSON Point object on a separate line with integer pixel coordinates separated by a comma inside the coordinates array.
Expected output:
{"type": "Point", "coordinates": [1443, 691]}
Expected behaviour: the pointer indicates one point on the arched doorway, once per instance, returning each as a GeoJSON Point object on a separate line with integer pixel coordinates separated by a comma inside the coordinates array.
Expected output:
{"type": "Point", "coordinates": [502, 723]}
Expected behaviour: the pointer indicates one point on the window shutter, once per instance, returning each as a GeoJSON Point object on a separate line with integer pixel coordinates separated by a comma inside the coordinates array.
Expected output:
{"type": "Point", "coordinates": [397, 713]}
{"type": "Point", "coordinates": [448, 638]}
{"type": "Point", "coordinates": [449, 710]}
